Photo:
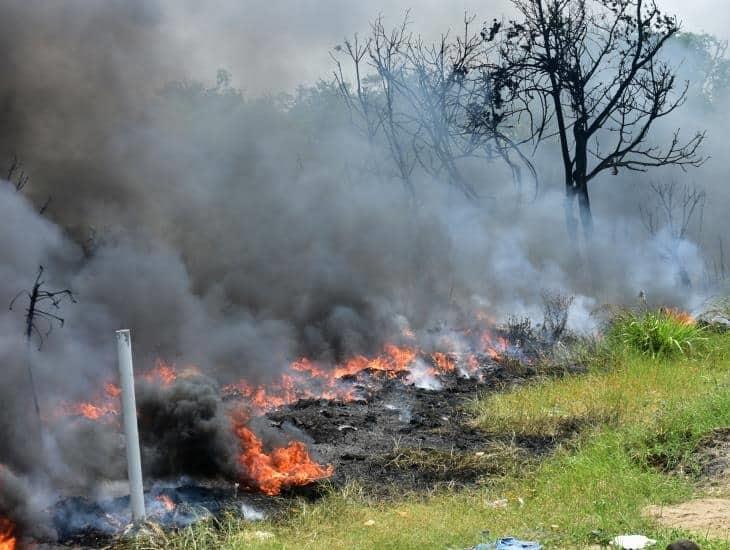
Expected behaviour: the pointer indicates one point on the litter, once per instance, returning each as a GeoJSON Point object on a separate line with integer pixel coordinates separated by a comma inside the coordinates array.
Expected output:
{"type": "Point", "coordinates": [632, 542]}
{"type": "Point", "coordinates": [509, 543]}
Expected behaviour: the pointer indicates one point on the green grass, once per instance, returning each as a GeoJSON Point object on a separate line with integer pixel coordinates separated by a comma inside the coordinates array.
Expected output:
{"type": "Point", "coordinates": [641, 417]}
{"type": "Point", "coordinates": [663, 333]}
{"type": "Point", "coordinates": [620, 388]}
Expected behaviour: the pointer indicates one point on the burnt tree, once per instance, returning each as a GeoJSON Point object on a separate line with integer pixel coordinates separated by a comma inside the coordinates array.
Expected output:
{"type": "Point", "coordinates": [589, 74]}
{"type": "Point", "coordinates": [36, 312]}
{"type": "Point", "coordinates": [673, 210]}
{"type": "Point", "coordinates": [432, 103]}
{"type": "Point", "coordinates": [17, 177]}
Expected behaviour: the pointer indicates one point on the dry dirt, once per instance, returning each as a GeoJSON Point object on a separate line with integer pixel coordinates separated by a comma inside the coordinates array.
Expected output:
{"type": "Point", "coordinates": [704, 516]}
{"type": "Point", "coordinates": [709, 515]}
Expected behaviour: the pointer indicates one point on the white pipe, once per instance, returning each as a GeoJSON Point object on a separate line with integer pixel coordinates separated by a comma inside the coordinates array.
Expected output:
{"type": "Point", "coordinates": [129, 411]}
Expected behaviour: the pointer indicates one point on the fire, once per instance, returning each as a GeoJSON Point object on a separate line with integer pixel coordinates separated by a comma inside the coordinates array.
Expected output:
{"type": "Point", "coordinates": [288, 466]}
{"type": "Point", "coordinates": [444, 362]}
{"type": "Point", "coordinates": [166, 502]}
{"type": "Point", "coordinates": [162, 372]}
{"type": "Point", "coordinates": [106, 405]}
{"type": "Point", "coordinates": [92, 412]}
{"type": "Point", "coordinates": [7, 534]}
{"type": "Point", "coordinates": [393, 361]}
{"type": "Point", "coordinates": [112, 390]}
{"type": "Point", "coordinates": [493, 346]}
{"type": "Point", "coordinates": [305, 379]}
{"type": "Point", "coordinates": [461, 352]}
{"type": "Point", "coordinates": [681, 317]}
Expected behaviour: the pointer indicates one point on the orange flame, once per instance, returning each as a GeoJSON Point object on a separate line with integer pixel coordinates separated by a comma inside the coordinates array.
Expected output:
{"type": "Point", "coordinates": [681, 317]}
{"type": "Point", "coordinates": [106, 406]}
{"type": "Point", "coordinates": [494, 347]}
{"type": "Point", "coordinates": [166, 502]}
{"type": "Point", "coordinates": [162, 372]}
{"type": "Point", "coordinates": [112, 390]}
{"type": "Point", "coordinates": [306, 379]}
{"type": "Point", "coordinates": [396, 359]}
{"type": "Point", "coordinates": [444, 362]}
{"type": "Point", "coordinates": [288, 466]}
{"type": "Point", "coordinates": [7, 534]}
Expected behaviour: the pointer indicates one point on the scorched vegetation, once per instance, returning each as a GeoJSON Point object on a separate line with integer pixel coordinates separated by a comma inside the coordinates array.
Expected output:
{"type": "Point", "coordinates": [636, 423]}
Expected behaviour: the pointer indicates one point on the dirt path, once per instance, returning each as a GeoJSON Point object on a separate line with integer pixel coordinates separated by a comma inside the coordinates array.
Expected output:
{"type": "Point", "coordinates": [710, 515]}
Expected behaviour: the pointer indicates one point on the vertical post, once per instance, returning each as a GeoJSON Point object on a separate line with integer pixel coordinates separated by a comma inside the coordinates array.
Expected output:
{"type": "Point", "coordinates": [129, 411]}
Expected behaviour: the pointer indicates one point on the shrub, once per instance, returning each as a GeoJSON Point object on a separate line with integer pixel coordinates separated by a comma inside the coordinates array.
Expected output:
{"type": "Point", "coordinates": [662, 333]}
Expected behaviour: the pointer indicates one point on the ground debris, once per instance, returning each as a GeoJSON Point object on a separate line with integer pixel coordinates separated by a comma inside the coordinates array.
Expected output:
{"type": "Point", "coordinates": [410, 437]}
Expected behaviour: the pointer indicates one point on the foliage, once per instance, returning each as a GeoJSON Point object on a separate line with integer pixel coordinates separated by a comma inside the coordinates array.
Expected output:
{"type": "Point", "coordinates": [662, 333]}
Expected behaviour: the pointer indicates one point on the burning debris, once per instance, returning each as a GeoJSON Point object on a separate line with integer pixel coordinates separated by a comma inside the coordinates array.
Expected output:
{"type": "Point", "coordinates": [190, 426]}
{"type": "Point", "coordinates": [7, 534]}
{"type": "Point", "coordinates": [289, 466]}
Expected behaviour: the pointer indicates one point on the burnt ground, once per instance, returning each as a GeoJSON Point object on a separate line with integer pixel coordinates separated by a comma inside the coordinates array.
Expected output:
{"type": "Point", "coordinates": [396, 438]}
{"type": "Point", "coordinates": [415, 438]}
{"type": "Point", "coordinates": [713, 457]}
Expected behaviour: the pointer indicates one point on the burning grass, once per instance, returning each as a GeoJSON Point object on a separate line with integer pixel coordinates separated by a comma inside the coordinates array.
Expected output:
{"type": "Point", "coordinates": [640, 409]}
{"type": "Point", "coordinates": [289, 466]}
{"type": "Point", "coordinates": [7, 534]}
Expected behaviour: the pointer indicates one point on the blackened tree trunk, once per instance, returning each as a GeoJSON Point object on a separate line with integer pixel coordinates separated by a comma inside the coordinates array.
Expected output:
{"type": "Point", "coordinates": [590, 74]}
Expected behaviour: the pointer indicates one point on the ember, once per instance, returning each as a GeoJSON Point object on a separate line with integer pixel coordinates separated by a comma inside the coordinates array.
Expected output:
{"type": "Point", "coordinates": [166, 502]}
{"type": "Point", "coordinates": [289, 466]}
{"type": "Point", "coordinates": [7, 534]}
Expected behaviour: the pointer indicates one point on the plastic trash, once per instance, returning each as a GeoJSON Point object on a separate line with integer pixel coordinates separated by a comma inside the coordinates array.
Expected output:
{"type": "Point", "coordinates": [632, 542]}
{"type": "Point", "coordinates": [511, 543]}
{"type": "Point", "coordinates": [508, 543]}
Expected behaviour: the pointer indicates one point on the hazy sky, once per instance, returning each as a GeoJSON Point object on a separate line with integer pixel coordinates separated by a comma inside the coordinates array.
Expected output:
{"type": "Point", "coordinates": [277, 44]}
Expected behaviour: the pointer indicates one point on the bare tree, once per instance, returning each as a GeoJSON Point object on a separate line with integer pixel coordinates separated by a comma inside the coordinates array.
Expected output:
{"type": "Point", "coordinates": [371, 101]}
{"type": "Point", "coordinates": [426, 98]}
{"type": "Point", "coordinates": [16, 174]}
{"type": "Point", "coordinates": [674, 208]}
{"type": "Point", "coordinates": [589, 73]}
{"type": "Point", "coordinates": [429, 87]}
{"type": "Point", "coordinates": [36, 312]}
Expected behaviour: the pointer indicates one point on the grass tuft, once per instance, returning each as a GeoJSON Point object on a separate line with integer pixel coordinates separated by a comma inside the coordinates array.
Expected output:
{"type": "Point", "coordinates": [662, 333]}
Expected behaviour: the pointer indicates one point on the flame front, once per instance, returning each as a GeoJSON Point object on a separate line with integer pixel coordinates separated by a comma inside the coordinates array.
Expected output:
{"type": "Point", "coordinates": [104, 407]}
{"type": "Point", "coordinates": [289, 466]}
{"type": "Point", "coordinates": [7, 534]}
{"type": "Point", "coordinates": [354, 378]}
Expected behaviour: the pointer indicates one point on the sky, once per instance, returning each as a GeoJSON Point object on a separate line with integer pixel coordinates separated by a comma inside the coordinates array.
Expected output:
{"type": "Point", "coordinates": [280, 44]}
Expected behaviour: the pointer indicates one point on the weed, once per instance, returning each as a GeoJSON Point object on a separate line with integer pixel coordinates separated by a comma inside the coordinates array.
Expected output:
{"type": "Point", "coordinates": [662, 333]}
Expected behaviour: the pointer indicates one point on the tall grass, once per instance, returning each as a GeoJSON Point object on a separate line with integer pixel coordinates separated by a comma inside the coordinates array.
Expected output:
{"type": "Point", "coordinates": [663, 333]}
